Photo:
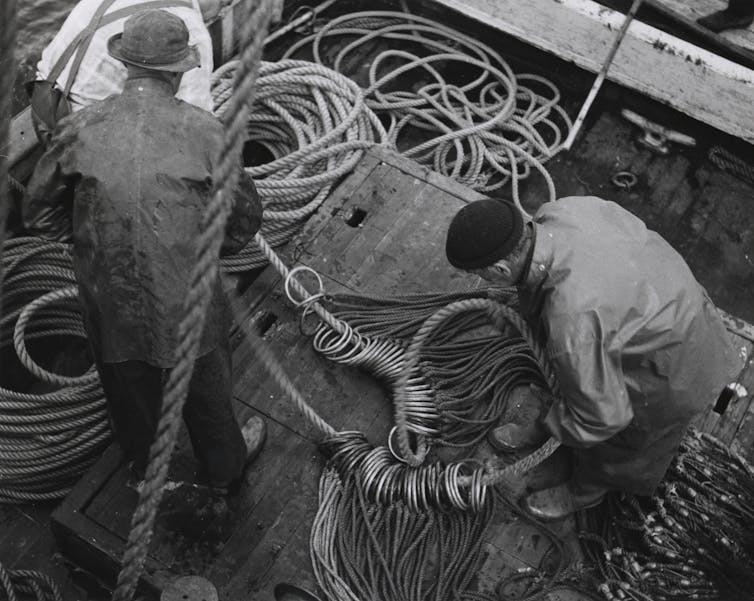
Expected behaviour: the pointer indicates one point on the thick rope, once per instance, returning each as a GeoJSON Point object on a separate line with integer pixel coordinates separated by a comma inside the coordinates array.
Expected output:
{"type": "Point", "coordinates": [314, 123]}
{"type": "Point", "coordinates": [224, 177]}
{"type": "Point", "coordinates": [48, 437]}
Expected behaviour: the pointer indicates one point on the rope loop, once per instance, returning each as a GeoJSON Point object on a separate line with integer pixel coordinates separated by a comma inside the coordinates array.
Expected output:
{"type": "Point", "coordinates": [25, 318]}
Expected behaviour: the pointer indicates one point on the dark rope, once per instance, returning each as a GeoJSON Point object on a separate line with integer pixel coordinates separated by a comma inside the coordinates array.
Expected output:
{"type": "Point", "coordinates": [731, 163]}
{"type": "Point", "coordinates": [255, 24]}
{"type": "Point", "coordinates": [14, 583]}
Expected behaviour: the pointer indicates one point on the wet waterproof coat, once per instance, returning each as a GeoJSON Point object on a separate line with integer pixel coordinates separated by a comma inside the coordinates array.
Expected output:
{"type": "Point", "coordinates": [638, 346]}
{"type": "Point", "coordinates": [137, 170]}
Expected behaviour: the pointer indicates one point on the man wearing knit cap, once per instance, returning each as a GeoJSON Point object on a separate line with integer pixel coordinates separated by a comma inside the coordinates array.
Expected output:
{"type": "Point", "coordinates": [637, 344]}
{"type": "Point", "coordinates": [137, 169]}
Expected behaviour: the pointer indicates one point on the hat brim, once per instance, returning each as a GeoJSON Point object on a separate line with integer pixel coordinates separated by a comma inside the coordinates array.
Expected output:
{"type": "Point", "coordinates": [190, 61]}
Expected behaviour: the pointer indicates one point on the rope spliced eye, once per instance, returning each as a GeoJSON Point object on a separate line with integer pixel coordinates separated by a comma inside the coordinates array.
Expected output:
{"type": "Point", "coordinates": [624, 179]}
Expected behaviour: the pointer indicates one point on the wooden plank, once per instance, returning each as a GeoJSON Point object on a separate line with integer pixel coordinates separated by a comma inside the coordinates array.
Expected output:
{"type": "Point", "coordinates": [253, 579]}
{"type": "Point", "coordinates": [88, 544]}
{"type": "Point", "coordinates": [399, 247]}
{"type": "Point", "coordinates": [693, 81]}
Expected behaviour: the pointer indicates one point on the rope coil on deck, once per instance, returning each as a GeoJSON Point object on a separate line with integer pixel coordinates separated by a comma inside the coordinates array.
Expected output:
{"type": "Point", "coordinates": [49, 436]}
{"type": "Point", "coordinates": [485, 128]}
{"type": "Point", "coordinates": [314, 123]}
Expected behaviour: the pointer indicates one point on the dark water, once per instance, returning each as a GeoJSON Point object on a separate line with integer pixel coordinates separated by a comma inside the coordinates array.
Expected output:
{"type": "Point", "coordinates": [37, 21]}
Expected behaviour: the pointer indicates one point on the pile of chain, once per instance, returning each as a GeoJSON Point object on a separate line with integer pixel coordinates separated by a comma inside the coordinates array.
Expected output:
{"type": "Point", "coordinates": [48, 437]}
{"type": "Point", "coordinates": [466, 371]}
{"type": "Point", "coordinates": [315, 124]}
{"type": "Point", "coordinates": [475, 120]}
{"type": "Point", "coordinates": [692, 540]}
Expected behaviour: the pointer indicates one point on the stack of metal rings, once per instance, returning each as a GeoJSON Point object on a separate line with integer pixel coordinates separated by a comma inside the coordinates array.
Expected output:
{"type": "Point", "coordinates": [386, 479]}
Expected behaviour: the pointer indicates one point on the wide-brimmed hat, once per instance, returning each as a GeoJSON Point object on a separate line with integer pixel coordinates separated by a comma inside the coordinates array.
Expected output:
{"type": "Point", "coordinates": [154, 39]}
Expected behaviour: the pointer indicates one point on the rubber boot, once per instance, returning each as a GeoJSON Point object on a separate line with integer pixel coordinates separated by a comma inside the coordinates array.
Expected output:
{"type": "Point", "coordinates": [558, 502]}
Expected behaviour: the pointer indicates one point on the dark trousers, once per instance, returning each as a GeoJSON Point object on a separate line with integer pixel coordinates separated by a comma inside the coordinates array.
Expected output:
{"type": "Point", "coordinates": [634, 460]}
{"type": "Point", "coordinates": [133, 390]}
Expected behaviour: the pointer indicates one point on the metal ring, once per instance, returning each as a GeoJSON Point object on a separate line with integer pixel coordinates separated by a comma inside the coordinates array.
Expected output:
{"type": "Point", "coordinates": [420, 441]}
{"type": "Point", "coordinates": [624, 179]}
{"type": "Point", "coordinates": [289, 277]}
{"type": "Point", "coordinates": [393, 431]}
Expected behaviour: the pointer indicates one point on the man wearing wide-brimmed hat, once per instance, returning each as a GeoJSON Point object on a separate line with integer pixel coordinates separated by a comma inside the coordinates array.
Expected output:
{"type": "Point", "coordinates": [76, 70]}
{"type": "Point", "coordinates": [138, 167]}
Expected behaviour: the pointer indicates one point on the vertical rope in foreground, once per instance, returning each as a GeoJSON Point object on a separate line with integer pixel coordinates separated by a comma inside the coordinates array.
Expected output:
{"type": "Point", "coordinates": [7, 75]}
{"type": "Point", "coordinates": [255, 23]}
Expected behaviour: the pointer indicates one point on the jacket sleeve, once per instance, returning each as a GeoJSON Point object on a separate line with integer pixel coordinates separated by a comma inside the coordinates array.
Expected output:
{"type": "Point", "coordinates": [245, 218]}
{"type": "Point", "coordinates": [47, 204]}
{"type": "Point", "coordinates": [595, 403]}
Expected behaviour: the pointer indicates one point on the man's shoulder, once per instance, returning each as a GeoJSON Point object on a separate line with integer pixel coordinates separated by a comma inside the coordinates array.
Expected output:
{"type": "Point", "coordinates": [200, 121]}
{"type": "Point", "coordinates": [74, 122]}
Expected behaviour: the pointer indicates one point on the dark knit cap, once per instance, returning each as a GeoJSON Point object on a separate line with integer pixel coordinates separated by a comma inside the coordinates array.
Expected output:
{"type": "Point", "coordinates": [483, 232]}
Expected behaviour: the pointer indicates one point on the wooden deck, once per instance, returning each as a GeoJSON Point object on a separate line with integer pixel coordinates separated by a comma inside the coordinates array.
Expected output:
{"type": "Point", "coordinates": [260, 537]}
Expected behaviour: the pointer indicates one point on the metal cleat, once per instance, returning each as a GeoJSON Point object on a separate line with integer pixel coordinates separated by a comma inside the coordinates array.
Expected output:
{"type": "Point", "coordinates": [656, 137]}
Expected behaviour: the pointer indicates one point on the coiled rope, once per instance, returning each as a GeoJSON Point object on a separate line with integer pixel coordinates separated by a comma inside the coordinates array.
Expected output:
{"type": "Point", "coordinates": [224, 176]}
{"type": "Point", "coordinates": [485, 128]}
{"type": "Point", "coordinates": [50, 438]}
{"type": "Point", "coordinates": [29, 583]}
{"type": "Point", "coordinates": [314, 123]}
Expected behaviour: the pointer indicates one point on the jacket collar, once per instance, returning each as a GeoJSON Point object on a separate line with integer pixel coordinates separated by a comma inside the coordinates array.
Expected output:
{"type": "Point", "coordinates": [144, 84]}
{"type": "Point", "coordinates": [541, 259]}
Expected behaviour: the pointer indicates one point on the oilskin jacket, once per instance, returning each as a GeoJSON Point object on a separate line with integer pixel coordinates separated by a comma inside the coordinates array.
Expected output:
{"type": "Point", "coordinates": [637, 344]}
{"type": "Point", "coordinates": [136, 169]}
